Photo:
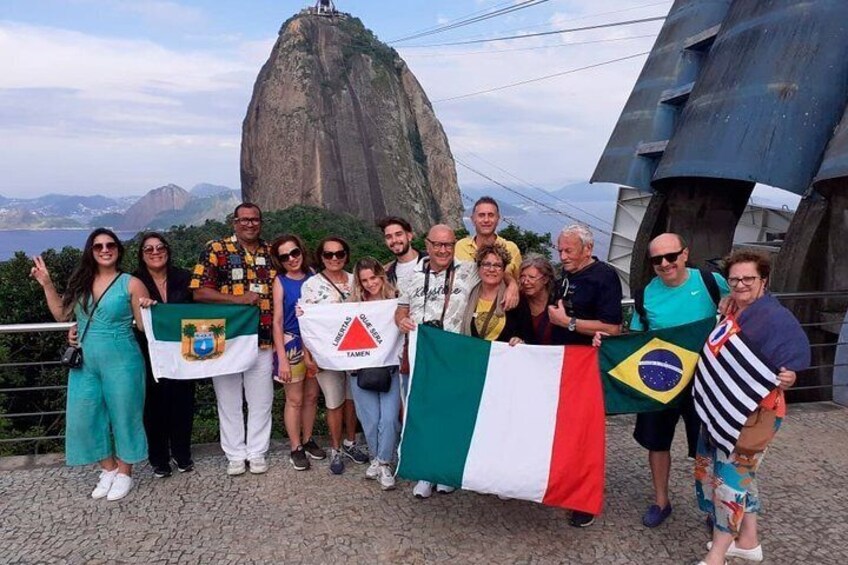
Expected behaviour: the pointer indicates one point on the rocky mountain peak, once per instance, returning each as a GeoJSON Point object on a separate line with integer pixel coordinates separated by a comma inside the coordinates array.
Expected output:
{"type": "Point", "coordinates": [165, 198]}
{"type": "Point", "coordinates": [338, 120]}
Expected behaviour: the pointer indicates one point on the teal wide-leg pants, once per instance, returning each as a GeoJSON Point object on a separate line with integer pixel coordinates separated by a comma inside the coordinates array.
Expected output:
{"type": "Point", "coordinates": [105, 408]}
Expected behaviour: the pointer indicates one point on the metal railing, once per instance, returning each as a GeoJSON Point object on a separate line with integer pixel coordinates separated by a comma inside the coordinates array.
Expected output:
{"type": "Point", "coordinates": [821, 351]}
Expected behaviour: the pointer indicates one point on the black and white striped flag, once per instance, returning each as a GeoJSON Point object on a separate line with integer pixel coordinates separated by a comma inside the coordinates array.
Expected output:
{"type": "Point", "coordinates": [730, 382]}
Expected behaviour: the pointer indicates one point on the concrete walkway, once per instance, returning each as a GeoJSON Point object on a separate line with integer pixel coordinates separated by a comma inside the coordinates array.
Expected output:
{"type": "Point", "coordinates": [46, 515]}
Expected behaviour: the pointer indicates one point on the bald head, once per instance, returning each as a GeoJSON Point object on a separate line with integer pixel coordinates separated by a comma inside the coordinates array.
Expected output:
{"type": "Point", "coordinates": [440, 246]}
{"type": "Point", "coordinates": [669, 254]}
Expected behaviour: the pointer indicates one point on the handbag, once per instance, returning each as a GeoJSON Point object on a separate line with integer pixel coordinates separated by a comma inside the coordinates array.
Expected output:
{"type": "Point", "coordinates": [375, 379]}
{"type": "Point", "coordinates": [72, 355]}
{"type": "Point", "coordinates": [757, 432]}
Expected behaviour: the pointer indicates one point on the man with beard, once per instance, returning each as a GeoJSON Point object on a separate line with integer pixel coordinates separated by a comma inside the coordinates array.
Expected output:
{"type": "Point", "coordinates": [398, 235]}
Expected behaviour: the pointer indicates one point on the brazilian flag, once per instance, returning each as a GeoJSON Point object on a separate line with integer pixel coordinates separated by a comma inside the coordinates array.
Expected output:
{"type": "Point", "coordinates": [647, 371]}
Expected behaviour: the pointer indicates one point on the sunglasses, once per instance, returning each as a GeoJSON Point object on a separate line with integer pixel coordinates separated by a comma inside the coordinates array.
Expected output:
{"type": "Point", "coordinates": [108, 246]}
{"type": "Point", "coordinates": [293, 254]}
{"type": "Point", "coordinates": [151, 249]}
{"type": "Point", "coordinates": [334, 254]}
{"type": "Point", "coordinates": [656, 260]}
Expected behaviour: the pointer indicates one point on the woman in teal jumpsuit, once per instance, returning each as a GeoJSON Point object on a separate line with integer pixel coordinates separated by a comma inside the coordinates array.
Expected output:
{"type": "Point", "coordinates": [104, 419]}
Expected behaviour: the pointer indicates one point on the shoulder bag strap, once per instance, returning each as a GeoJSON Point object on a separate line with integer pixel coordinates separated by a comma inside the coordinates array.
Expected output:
{"type": "Point", "coordinates": [342, 294]}
{"type": "Point", "coordinates": [97, 303]}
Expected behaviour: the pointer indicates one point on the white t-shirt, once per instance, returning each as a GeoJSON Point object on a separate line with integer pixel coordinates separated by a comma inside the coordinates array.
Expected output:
{"type": "Point", "coordinates": [411, 290]}
{"type": "Point", "coordinates": [403, 270]}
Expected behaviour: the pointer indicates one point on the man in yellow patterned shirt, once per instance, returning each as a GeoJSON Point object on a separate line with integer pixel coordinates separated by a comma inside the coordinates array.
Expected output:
{"type": "Point", "coordinates": [485, 216]}
{"type": "Point", "coordinates": [238, 270]}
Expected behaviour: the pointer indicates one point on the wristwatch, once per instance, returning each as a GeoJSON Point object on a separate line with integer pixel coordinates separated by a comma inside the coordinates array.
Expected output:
{"type": "Point", "coordinates": [572, 324]}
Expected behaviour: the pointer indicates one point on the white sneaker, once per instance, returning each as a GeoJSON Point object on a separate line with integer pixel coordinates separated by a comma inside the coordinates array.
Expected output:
{"type": "Point", "coordinates": [387, 478]}
{"type": "Point", "coordinates": [258, 465]}
{"type": "Point", "coordinates": [423, 489]}
{"type": "Point", "coordinates": [104, 483]}
{"type": "Point", "coordinates": [235, 468]}
{"type": "Point", "coordinates": [373, 470]}
{"type": "Point", "coordinates": [121, 487]}
{"type": "Point", "coordinates": [444, 489]}
{"type": "Point", "coordinates": [753, 554]}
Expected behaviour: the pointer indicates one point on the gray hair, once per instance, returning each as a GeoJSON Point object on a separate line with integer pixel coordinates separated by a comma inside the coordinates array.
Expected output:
{"type": "Point", "coordinates": [581, 232]}
{"type": "Point", "coordinates": [541, 264]}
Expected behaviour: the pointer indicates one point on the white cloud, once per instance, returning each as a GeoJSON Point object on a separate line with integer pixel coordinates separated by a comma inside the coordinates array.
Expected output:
{"type": "Point", "coordinates": [155, 12]}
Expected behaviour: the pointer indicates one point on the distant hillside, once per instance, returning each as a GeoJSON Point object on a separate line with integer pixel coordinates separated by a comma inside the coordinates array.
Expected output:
{"type": "Point", "coordinates": [205, 189]}
{"type": "Point", "coordinates": [17, 219]}
{"type": "Point", "coordinates": [198, 209]}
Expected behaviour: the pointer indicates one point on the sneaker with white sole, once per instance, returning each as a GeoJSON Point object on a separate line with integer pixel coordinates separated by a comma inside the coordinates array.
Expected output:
{"type": "Point", "coordinates": [355, 453]}
{"type": "Point", "coordinates": [121, 487]}
{"type": "Point", "coordinates": [258, 465]}
{"type": "Point", "coordinates": [236, 468]}
{"type": "Point", "coordinates": [753, 554]}
{"type": "Point", "coordinates": [373, 470]}
{"type": "Point", "coordinates": [423, 489]}
{"type": "Point", "coordinates": [104, 483]}
{"type": "Point", "coordinates": [444, 489]}
{"type": "Point", "coordinates": [387, 478]}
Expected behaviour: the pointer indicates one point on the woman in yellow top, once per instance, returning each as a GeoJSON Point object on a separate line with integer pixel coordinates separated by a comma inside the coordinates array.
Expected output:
{"type": "Point", "coordinates": [484, 316]}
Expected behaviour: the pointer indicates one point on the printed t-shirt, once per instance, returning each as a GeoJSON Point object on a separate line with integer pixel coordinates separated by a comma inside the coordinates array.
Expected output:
{"type": "Point", "coordinates": [319, 290]}
{"type": "Point", "coordinates": [229, 268]}
{"type": "Point", "coordinates": [412, 294]}
{"type": "Point", "coordinates": [670, 306]}
{"type": "Point", "coordinates": [466, 250]}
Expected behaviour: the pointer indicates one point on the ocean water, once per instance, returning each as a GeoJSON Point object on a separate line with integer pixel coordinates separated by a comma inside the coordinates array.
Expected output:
{"type": "Point", "coordinates": [33, 242]}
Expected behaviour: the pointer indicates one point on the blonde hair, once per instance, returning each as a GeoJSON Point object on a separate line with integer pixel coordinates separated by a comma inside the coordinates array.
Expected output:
{"type": "Point", "coordinates": [359, 294]}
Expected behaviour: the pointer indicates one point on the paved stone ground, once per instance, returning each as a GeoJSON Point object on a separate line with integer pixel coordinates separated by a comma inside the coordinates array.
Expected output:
{"type": "Point", "coordinates": [313, 517]}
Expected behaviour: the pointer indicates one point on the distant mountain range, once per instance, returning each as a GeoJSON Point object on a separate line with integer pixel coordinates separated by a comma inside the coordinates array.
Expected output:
{"type": "Point", "coordinates": [160, 208]}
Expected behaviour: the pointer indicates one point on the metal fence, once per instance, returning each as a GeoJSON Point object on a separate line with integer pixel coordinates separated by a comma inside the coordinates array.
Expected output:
{"type": "Point", "coordinates": [814, 383]}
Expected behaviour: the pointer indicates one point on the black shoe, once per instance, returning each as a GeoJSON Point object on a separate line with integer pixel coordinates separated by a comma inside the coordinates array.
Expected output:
{"type": "Point", "coordinates": [298, 459]}
{"type": "Point", "coordinates": [185, 468]}
{"type": "Point", "coordinates": [581, 519]}
{"type": "Point", "coordinates": [162, 471]}
{"type": "Point", "coordinates": [313, 451]}
{"type": "Point", "coordinates": [355, 453]}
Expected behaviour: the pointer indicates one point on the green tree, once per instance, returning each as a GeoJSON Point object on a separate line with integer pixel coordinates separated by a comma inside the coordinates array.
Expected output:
{"type": "Point", "coordinates": [528, 241]}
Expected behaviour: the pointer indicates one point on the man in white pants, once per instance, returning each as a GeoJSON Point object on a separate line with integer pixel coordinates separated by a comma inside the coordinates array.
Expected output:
{"type": "Point", "coordinates": [238, 270]}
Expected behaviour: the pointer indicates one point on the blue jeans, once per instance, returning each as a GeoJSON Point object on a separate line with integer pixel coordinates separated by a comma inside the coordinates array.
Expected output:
{"type": "Point", "coordinates": [378, 413]}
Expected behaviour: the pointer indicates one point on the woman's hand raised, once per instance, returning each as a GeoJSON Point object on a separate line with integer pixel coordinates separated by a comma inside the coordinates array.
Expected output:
{"type": "Point", "coordinates": [39, 272]}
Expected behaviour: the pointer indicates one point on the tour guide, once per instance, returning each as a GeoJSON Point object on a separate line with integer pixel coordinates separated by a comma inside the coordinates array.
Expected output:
{"type": "Point", "coordinates": [588, 300]}
{"type": "Point", "coordinates": [238, 270]}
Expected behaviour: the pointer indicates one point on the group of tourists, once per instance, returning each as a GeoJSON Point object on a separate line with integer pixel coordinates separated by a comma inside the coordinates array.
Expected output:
{"type": "Point", "coordinates": [478, 286]}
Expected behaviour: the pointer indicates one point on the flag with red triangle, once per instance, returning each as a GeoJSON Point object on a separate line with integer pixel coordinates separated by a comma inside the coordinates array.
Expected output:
{"type": "Point", "coordinates": [352, 335]}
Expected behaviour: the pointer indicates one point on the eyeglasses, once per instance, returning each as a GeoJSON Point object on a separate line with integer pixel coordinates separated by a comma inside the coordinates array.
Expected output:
{"type": "Point", "coordinates": [656, 260]}
{"type": "Point", "coordinates": [493, 266]}
{"type": "Point", "coordinates": [293, 254]}
{"type": "Point", "coordinates": [530, 278]}
{"type": "Point", "coordinates": [248, 221]}
{"type": "Point", "coordinates": [441, 244]}
{"type": "Point", "coordinates": [108, 246]}
{"type": "Point", "coordinates": [334, 254]}
{"type": "Point", "coordinates": [151, 249]}
{"type": "Point", "coordinates": [746, 281]}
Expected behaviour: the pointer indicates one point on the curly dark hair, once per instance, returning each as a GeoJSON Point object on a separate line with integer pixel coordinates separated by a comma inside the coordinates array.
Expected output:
{"type": "Point", "coordinates": [493, 249]}
{"type": "Point", "coordinates": [82, 279]}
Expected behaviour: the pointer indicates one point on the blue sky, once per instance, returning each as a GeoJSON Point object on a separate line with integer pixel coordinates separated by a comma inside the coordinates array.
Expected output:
{"type": "Point", "coordinates": [116, 97]}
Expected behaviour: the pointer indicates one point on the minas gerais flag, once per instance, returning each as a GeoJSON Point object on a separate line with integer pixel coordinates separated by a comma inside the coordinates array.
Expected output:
{"type": "Point", "coordinates": [469, 398]}
{"type": "Point", "coordinates": [197, 341]}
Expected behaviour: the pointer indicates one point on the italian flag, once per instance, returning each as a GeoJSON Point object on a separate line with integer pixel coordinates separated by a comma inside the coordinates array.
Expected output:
{"type": "Point", "coordinates": [525, 422]}
{"type": "Point", "coordinates": [198, 341]}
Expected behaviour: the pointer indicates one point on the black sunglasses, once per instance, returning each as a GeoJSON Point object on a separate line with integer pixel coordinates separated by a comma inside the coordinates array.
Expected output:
{"type": "Point", "coordinates": [293, 254]}
{"type": "Point", "coordinates": [109, 245]}
{"type": "Point", "coordinates": [334, 254]}
{"type": "Point", "coordinates": [656, 260]}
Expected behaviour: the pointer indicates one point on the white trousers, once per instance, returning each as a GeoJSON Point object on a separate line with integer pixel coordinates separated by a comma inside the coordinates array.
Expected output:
{"type": "Point", "coordinates": [257, 388]}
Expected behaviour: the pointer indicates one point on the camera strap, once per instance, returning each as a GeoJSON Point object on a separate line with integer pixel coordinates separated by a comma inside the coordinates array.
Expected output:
{"type": "Point", "coordinates": [96, 303]}
{"type": "Point", "coordinates": [448, 289]}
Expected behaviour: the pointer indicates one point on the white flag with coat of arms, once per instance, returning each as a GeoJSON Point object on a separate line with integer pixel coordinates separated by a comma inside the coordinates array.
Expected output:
{"type": "Point", "coordinates": [352, 335]}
